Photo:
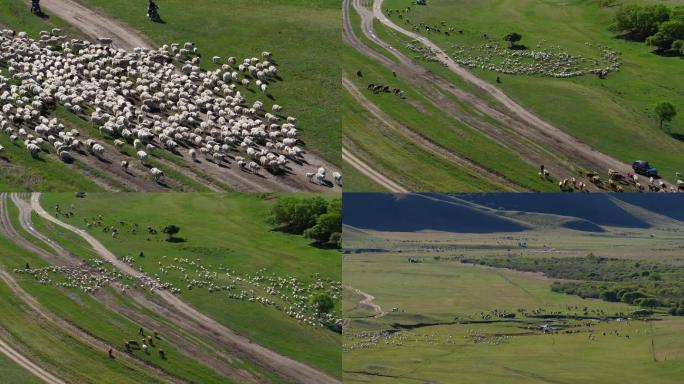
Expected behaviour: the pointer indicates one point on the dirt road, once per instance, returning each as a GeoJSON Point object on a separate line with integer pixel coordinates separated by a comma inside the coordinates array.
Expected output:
{"type": "Point", "coordinates": [28, 365]}
{"type": "Point", "coordinates": [367, 302]}
{"type": "Point", "coordinates": [291, 370]}
{"type": "Point", "coordinates": [601, 160]}
{"type": "Point", "coordinates": [94, 25]}
{"type": "Point", "coordinates": [371, 173]}
{"type": "Point", "coordinates": [434, 148]}
{"type": "Point", "coordinates": [175, 328]}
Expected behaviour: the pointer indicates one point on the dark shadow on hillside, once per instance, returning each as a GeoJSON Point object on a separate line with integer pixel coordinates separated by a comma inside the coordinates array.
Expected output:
{"type": "Point", "coordinates": [632, 36]}
{"type": "Point", "coordinates": [176, 240]}
{"type": "Point", "coordinates": [666, 53]}
{"type": "Point", "coordinates": [518, 47]}
{"type": "Point", "coordinates": [677, 136]}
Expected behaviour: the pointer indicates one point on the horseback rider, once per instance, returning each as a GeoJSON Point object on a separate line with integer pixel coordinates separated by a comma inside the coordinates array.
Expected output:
{"type": "Point", "coordinates": [152, 9]}
{"type": "Point", "coordinates": [35, 7]}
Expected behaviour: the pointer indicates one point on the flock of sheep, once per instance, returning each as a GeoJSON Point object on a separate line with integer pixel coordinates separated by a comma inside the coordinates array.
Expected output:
{"type": "Point", "coordinates": [287, 294]}
{"type": "Point", "coordinates": [146, 98]}
{"type": "Point", "coordinates": [548, 62]}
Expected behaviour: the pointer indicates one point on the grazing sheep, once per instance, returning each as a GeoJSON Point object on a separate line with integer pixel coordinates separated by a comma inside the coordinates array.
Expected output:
{"type": "Point", "coordinates": [338, 178]}
{"type": "Point", "coordinates": [98, 150]}
{"type": "Point", "coordinates": [254, 167]}
{"type": "Point", "coordinates": [66, 156]}
{"type": "Point", "coordinates": [157, 173]}
{"type": "Point", "coordinates": [142, 156]}
{"type": "Point", "coordinates": [193, 154]}
{"type": "Point", "coordinates": [124, 165]}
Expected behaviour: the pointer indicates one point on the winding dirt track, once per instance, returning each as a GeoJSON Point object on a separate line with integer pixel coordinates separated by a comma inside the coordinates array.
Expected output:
{"type": "Point", "coordinates": [434, 148]}
{"type": "Point", "coordinates": [537, 141]}
{"type": "Point", "coordinates": [175, 328]}
{"type": "Point", "coordinates": [78, 333]}
{"type": "Point", "coordinates": [94, 24]}
{"type": "Point", "coordinates": [585, 151]}
{"type": "Point", "coordinates": [291, 370]}
{"type": "Point", "coordinates": [372, 174]}
{"type": "Point", "coordinates": [28, 365]}
{"type": "Point", "coordinates": [367, 301]}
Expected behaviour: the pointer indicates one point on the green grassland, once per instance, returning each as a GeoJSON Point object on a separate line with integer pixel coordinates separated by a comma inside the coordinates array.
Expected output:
{"type": "Point", "coordinates": [423, 117]}
{"type": "Point", "coordinates": [303, 36]}
{"type": "Point", "coordinates": [439, 332]}
{"type": "Point", "coordinates": [614, 115]}
{"type": "Point", "coordinates": [229, 230]}
{"type": "Point", "coordinates": [16, 374]}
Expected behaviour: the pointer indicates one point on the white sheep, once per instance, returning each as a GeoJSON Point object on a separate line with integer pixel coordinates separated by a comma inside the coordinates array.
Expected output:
{"type": "Point", "coordinates": [142, 156]}
{"type": "Point", "coordinates": [338, 178]}
{"type": "Point", "coordinates": [157, 173]}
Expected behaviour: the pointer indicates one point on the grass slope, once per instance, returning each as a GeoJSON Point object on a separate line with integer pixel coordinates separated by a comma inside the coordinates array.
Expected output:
{"type": "Point", "coordinates": [228, 229]}
{"type": "Point", "coordinates": [614, 115]}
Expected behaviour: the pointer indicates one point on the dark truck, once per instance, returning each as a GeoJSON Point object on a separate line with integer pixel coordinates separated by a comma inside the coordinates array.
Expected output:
{"type": "Point", "coordinates": [644, 168]}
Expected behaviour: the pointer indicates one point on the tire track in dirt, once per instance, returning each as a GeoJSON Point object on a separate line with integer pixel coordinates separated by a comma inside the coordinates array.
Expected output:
{"type": "Point", "coordinates": [179, 333]}
{"type": "Point", "coordinates": [371, 173]}
{"type": "Point", "coordinates": [434, 148]}
{"type": "Point", "coordinates": [80, 334]}
{"type": "Point", "coordinates": [291, 370]}
{"type": "Point", "coordinates": [536, 127]}
{"type": "Point", "coordinates": [28, 365]}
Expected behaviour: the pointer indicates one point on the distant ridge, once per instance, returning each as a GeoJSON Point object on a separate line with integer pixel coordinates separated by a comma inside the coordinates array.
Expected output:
{"type": "Point", "coordinates": [598, 208]}
{"type": "Point", "coordinates": [415, 212]}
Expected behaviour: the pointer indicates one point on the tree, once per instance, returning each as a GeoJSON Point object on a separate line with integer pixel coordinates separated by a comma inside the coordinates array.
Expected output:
{"type": "Point", "coordinates": [513, 38]}
{"type": "Point", "coordinates": [326, 225]}
{"type": "Point", "coordinates": [668, 33]}
{"type": "Point", "coordinates": [665, 112]}
{"type": "Point", "coordinates": [323, 303]}
{"type": "Point", "coordinates": [640, 22]}
{"type": "Point", "coordinates": [171, 230]}
{"type": "Point", "coordinates": [608, 296]}
{"type": "Point", "coordinates": [296, 214]}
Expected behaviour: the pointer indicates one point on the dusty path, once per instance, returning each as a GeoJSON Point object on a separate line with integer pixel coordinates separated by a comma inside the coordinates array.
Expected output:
{"type": "Point", "coordinates": [434, 148]}
{"type": "Point", "coordinates": [292, 370]}
{"type": "Point", "coordinates": [432, 87]}
{"type": "Point", "coordinates": [371, 173]}
{"type": "Point", "coordinates": [583, 150]}
{"type": "Point", "coordinates": [94, 25]}
{"type": "Point", "coordinates": [28, 365]}
{"type": "Point", "coordinates": [79, 333]}
{"type": "Point", "coordinates": [367, 301]}
{"type": "Point", "coordinates": [176, 329]}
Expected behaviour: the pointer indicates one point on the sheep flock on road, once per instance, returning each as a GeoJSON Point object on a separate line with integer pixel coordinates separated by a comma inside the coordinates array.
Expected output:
{"type": "Point", "coordinates": [145, 98]}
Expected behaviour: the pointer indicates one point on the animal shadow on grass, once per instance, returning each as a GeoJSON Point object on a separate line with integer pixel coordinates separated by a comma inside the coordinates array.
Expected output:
{"type": "Point", "coordinates": [518, 47]}
{"type": "Point", "coordinates": [164, 184]}
{"type": "Point", "coordinates": [176, 240]}
{"type": "Point", "coordinates": [102, 159]}
{"type": "Point", "coordinates": [270, 97]}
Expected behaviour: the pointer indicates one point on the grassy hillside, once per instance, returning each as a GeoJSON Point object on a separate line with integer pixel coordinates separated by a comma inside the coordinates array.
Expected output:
{"type": "Point", "coordinates": [218, 231]}
{"type": "Point", "coordinates": [615, 115]}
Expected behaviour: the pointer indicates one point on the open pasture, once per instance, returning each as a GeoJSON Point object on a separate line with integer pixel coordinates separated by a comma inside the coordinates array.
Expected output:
{"type": "Point", "coordinates": [614, 114]}
{"type": "Point", "coordinates": [445, 329]}
{"type": "Point", "coordinates": [260, 289]}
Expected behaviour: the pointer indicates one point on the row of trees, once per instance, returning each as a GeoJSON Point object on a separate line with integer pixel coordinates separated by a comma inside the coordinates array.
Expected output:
{"type": "Point", "coordinates": [643, 283]}
{"type": "Point", "coordinates": [316, 218]}
{"type": "Point", "coordinates": [657, 25]}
